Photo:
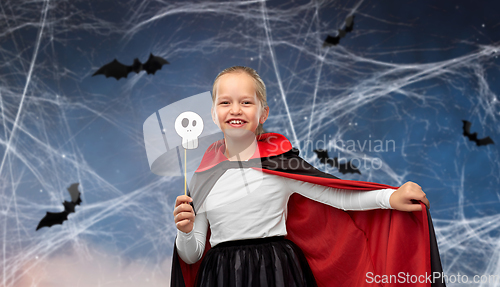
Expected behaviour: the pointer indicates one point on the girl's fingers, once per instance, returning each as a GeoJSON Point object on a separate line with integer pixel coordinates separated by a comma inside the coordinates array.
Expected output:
{"type": "Point", "coordinates": [188, 216]}
{"type": "Point", "coordinates": [183, 213]}
{"type": "Point", "coordinates": [182, 199]}
{"type": "Point", "coordinates": [181, 204]}
{"type": "Point", "coordinates": [408, 197]}
{"type": "Point", "coordinates": [183, 208]}
{"type": "Point", "coordinates": [182, 223]}
{"type": "Point", "coordinates": [182, 219]}
{"type": "Point", "coordinates": [412, 207]}
{"type": "Point", "coordinates": [426, 202]}
{"type": "Point", "coordinates": [420, 196]}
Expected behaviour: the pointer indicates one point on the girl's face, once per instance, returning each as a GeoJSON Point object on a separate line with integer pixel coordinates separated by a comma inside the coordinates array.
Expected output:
{"type": "Point", "coordinates": [236, 108]}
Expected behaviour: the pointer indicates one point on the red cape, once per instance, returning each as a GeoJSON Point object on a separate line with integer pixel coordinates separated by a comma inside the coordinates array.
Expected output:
{"type": "Point", "coordinates": [354, 248]}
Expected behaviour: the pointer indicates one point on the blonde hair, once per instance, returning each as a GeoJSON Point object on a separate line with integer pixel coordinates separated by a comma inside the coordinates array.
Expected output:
{"type": "Point", "coordinates": [260, 88]}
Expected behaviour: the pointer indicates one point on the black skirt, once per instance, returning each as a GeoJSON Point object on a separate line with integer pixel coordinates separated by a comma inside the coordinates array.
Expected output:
{"type": "Point", "coordinates": [271, 261]}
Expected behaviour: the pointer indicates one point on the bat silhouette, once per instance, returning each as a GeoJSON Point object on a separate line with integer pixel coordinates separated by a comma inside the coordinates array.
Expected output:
{"type": "Point", "coordinates": [52, 218]}
{"type": "Point", "coordinates": [343, 168]}
{"type": "Point", "coordinates": [349, 24]}
{"type": "Point", "coordinates": [473, 137]}
{"type": "Point", "coordinates": [118, 70]}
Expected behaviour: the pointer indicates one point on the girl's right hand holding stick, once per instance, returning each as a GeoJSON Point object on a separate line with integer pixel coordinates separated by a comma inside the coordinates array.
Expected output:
{"type": "Point", "coordinates": [184, 214]}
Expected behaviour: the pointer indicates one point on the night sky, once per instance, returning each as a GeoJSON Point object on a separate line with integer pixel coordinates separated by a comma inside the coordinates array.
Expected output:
{"type": "Point", "coordinates": [408, 73]}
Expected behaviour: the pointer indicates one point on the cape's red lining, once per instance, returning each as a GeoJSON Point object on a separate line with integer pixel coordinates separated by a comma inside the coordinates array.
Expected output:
{"type": "Point", "coordinates": [360, 220]}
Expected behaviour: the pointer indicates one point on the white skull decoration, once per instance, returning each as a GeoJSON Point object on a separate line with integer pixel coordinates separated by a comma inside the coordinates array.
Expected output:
{"type": "Point", "coordinates": [189, 126]}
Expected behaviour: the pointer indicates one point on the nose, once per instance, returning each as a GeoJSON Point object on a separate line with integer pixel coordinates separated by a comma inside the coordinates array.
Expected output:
{"type": "Point", "coordinates": [235, 108]}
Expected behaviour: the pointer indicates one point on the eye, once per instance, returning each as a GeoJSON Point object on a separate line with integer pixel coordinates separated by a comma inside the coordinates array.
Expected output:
{"type": "Point", "coordinates": [185, 122]}
{"type": "Point", "coordinates": [194, 123]}
{"type": "Point", "coordinates": [224, 103]}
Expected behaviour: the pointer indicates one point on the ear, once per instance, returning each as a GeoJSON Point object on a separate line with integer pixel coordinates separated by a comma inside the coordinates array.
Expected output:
{"type": "Point", "coordinates": [213, 114]}
{"type": "Point", "coordinates": [264, 115]}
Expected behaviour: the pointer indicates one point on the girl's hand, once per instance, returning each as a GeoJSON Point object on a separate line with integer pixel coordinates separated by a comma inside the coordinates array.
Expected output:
{"type": "Point", "coordinates": [406, 197]}
{"type": "Point", "coordinates": [184, 214]}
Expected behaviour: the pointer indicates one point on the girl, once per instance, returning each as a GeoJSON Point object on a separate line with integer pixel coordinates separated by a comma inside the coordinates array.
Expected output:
{"type": "Point", "coordinates": [244, 205]}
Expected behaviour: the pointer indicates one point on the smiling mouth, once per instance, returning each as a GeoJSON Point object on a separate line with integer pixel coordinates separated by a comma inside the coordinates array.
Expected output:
{"type": "Point", "coordinates": [236, 123]}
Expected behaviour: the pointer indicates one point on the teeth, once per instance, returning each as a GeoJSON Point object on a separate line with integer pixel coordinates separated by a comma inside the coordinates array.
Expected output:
{"type": "Point", "coordinates": [237, 122]}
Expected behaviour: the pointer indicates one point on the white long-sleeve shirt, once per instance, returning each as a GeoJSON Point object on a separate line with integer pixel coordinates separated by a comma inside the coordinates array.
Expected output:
{"type": "Point", "coordinates": [246, 203]}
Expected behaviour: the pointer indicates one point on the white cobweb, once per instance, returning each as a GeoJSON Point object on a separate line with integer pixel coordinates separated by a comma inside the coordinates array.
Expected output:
{"type": "Point", "coordinates": [59, 125]}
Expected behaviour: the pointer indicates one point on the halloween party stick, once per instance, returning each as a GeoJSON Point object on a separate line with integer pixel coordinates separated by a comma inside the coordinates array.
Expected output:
{"type": "Point", "coordinates": [163, 136]}
{"type": "Point", "coordinates": [189, 126]}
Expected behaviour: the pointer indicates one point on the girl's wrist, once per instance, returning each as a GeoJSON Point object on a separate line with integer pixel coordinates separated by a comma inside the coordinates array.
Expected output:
{"type": "Point", "coordinates": [185, 234]}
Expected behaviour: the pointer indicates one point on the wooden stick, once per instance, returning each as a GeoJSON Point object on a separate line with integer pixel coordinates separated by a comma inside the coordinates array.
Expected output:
{"type": "Point", "coordinates": [185, 175]}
